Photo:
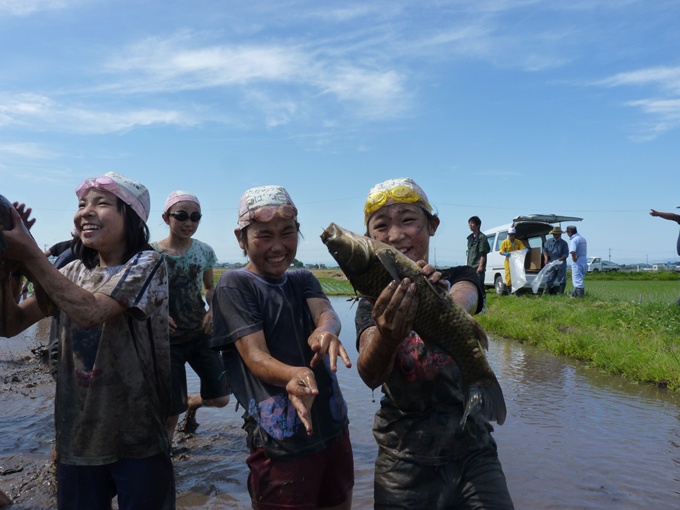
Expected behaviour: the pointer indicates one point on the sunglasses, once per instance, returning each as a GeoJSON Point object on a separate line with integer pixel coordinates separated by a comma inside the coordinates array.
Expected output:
{"type": "Point", "coordinates": [402, 194]}
{"type": "Point", "coordinates": [183, 216]}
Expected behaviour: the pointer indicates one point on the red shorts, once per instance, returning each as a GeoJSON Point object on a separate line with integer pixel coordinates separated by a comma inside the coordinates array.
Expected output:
{"type": "Point", "coordinates": [321, 479]}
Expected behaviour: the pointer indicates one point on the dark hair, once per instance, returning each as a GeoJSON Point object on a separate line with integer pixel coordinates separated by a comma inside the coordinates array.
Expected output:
{"type": "Point", "coordinates": [571, 228]}
{"type": "Point", "coordinates": [243, 236]}
{"type": "Point", "coordinates": [475, 220]}
{"type": "Point", "coordinates": [136, 238]}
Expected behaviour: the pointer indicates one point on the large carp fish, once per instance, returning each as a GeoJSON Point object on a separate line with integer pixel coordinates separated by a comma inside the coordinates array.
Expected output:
{"type": "Point", "coordinates": [15, 270]}
{"type": "Point", "coordinates": [6, 222]}
{"type": "Point", "coordinates": [371, 265]}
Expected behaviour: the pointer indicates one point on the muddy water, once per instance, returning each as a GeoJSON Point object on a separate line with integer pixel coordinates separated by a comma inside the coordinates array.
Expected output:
{"type": "Point", "coordinates": [574, 438]}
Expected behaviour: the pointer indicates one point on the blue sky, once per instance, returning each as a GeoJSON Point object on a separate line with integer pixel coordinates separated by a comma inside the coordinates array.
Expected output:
{"type": "Point", "coordinates": [495, 107]}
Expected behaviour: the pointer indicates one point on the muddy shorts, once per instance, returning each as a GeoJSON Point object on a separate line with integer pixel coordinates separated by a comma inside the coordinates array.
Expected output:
{"type": "Point", "coordinates": [206, 362]}
{"type": "Point", "coordinates": [140, 484]}
{"type": "Point", "coordinates": [476, 482]}
{"type": "Point", "coordinates": [322, 479]}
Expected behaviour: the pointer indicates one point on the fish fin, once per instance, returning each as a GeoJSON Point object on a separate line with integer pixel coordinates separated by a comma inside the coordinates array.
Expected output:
{"type": "Point", "coordinates": [489, 396]}
{"type": "Point", "coordinates": [388, 260]}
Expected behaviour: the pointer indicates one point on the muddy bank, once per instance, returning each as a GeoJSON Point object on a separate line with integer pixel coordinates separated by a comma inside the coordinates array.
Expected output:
{"type": "Point", "coordinates": [26, 396]}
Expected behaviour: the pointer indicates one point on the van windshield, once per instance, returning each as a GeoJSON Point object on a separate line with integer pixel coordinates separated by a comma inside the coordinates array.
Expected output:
{"type": "Point", "coordinates": [502, 236]}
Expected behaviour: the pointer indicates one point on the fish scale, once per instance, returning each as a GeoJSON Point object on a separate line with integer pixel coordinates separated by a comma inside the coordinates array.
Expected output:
{"type": "Point", "coordinates": [6, 222]}
{"type": "Point", "coordinates": [371, 265]}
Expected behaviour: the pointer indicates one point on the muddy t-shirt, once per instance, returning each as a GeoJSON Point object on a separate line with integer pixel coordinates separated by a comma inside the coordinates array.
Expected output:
{"type": "Point", "coordinates": [185, 280]}
{"type": "Point", "coordinates": [423, 401]}
{"type": "Point", "coordinates": [113, 380]}
{"type": "Point", "coordinates": [245, 303]}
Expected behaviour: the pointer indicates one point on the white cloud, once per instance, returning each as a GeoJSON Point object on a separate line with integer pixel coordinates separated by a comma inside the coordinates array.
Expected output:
{"type": "Point", "coordinates": [663, 112]}
{"type": "Point", "coordinates": [667, 78]}
{"type": "Point", "coordinates": [26, 150]}
{"type": "Point", "coordinates": [28, 7]}
{"type": "Point", "coordinates": [45, 113]}
{"type": "Point", "coordinates": [169, 66]}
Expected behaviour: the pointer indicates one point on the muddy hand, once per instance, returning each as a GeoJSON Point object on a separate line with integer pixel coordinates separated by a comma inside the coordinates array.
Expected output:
{"type": "Point", "coordinates": [395, 310]}
{"type": "Point", "coordinates": [172, 325]}
{"type": "Point", "coordinates": [301, 391]}
{"type": "Point", "coordinates": [325, 342]}
{"type": "Point", "coordinates": [19, 239]}
{"type": "Point", "coordinates": [25, 213]}
{"type": "Point", "coordinates": [208, 323]}
{"type": "Point", "coordinates": [433, 276]}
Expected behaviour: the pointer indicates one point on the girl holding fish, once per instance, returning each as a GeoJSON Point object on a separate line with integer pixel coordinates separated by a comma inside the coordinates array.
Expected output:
{"type": "Point", "coordinates": [113, 376]}
{"type": "Point", "coordinates": [425, 460]}
{"type": "Point", "coordinates": [279, 336]}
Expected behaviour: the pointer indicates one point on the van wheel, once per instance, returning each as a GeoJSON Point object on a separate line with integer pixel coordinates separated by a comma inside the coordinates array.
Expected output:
{"type": "Point", "coordinates": [499, 284]}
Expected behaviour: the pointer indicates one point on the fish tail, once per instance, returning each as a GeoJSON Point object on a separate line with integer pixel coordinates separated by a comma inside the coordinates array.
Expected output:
{"type": "Point", "coordinates": [489, 395]}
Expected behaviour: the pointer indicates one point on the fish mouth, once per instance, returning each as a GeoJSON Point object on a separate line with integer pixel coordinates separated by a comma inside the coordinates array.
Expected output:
{"type": "Point", "coordinates": [353, 250]}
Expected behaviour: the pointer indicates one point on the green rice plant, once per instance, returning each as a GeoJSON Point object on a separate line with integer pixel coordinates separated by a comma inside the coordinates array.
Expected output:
{"type": "Point", "coordinates": [335, 287]}
{"type": "Point", "coordinates": [640, 342]}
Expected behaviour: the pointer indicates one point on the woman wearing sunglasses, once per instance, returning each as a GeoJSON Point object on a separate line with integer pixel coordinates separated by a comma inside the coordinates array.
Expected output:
{"type": "Point", "coordinates": [113, 374]}
{"type": "Point", "coordinates": [190, 273]}
{"type": "Point", "coordinates": [422, 462]}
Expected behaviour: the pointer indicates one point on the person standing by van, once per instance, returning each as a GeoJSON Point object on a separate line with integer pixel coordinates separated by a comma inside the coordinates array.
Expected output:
{"type": "Point", "coordinates": [477, 251]}
{"type": "Point", "coordinates": [556, 248]}
{"type": "Point", "coordinates": [578, 248]}
{"type": "Point", "coordinates": [510, 244]}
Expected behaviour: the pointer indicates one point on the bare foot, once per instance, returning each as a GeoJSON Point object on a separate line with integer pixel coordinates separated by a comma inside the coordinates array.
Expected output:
{"type": "Point", "coordinates": [190, 424]}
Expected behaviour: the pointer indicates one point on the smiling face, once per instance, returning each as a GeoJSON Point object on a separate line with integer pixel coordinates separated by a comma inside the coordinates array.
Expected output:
{"type": "Point", "coordinates": [101, 226]}
{"type": "Point", "coordinates": [406, 227]}
{"type": "Point", "coordinates": [182, 229]}
{"type": "Point", "coordinates": [271, 246]}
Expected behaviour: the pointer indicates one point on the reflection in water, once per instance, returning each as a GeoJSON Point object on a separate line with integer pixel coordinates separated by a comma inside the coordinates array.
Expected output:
{"type": "Point", "coordinates": [575, 438]}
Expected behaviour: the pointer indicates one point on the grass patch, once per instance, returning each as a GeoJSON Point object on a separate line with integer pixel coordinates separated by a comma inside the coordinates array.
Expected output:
{"type": "Point", "coordinates": [640, 342]}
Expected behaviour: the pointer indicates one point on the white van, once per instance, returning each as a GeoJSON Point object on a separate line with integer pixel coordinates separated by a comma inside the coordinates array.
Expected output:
{"type": "Point", "coordinates": [532, 230]}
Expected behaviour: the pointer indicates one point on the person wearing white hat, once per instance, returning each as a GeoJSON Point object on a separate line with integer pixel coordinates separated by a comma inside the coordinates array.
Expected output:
{"type": "Point", "coordinates": [556, 248]}
{"type": "Point", "coordinates": [510, 244]}
{"type": "Point", "coordinates": [578, 249]}
{"type": "Point", "coordinates": [113, 373]}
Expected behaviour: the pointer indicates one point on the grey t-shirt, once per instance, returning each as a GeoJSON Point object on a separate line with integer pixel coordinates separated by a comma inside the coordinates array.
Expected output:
{"type": "Point", "coordinates": [113, 380]}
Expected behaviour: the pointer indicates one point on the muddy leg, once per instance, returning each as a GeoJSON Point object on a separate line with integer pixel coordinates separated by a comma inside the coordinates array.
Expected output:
{"type": "Point", "coordinates": [190, 424]}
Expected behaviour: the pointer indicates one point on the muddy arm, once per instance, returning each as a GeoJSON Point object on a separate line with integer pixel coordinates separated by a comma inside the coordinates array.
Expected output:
{"type": "Point", "coordinates": [85, 308]}
{"type": "Point", "coordinates": [15, 318]}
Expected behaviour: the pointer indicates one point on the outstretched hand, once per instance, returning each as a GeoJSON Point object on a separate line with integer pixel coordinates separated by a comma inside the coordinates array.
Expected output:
{"type": "Point", "coordinates": [302, 390]}
{"type": "Point", "coordinates": [324, 342]}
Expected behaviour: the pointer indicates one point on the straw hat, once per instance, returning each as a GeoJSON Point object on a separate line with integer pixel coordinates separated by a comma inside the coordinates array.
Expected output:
{"type": "Point", "coordinates": [556, 230]}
